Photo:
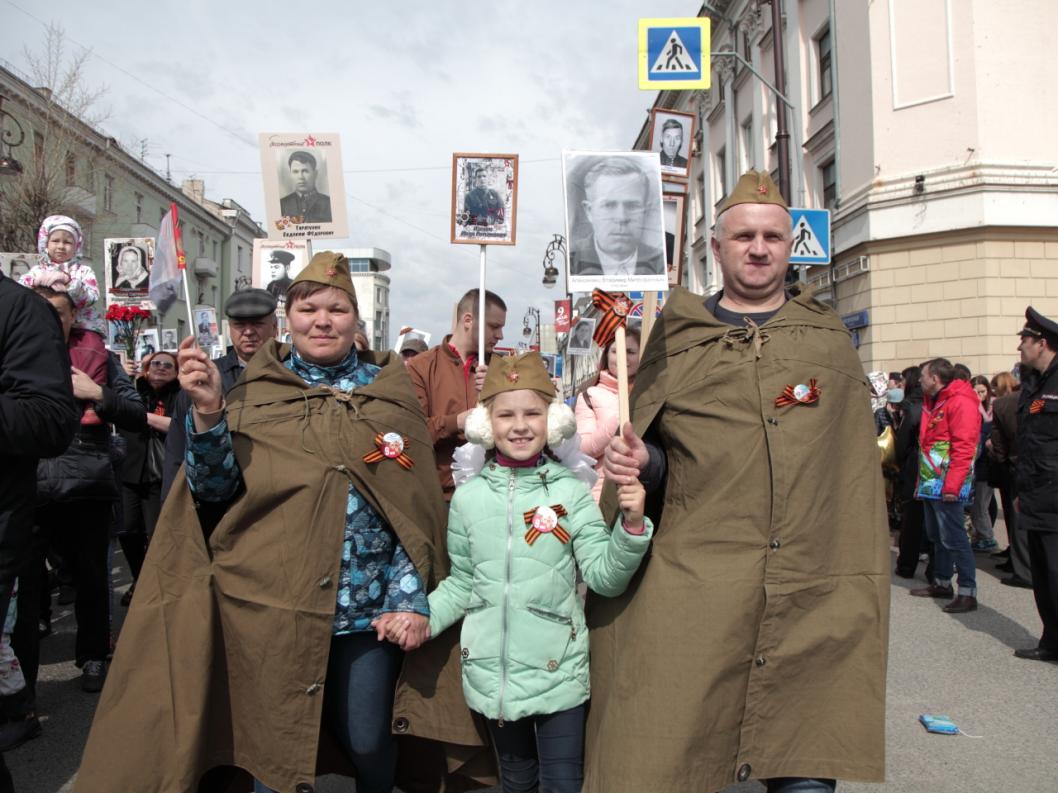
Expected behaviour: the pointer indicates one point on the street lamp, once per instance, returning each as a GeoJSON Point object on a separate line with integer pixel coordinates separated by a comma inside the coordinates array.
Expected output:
{"type": "Point", "coordinates": [557, 244]}
{"type": "Point", "coordinates": [9, 138]}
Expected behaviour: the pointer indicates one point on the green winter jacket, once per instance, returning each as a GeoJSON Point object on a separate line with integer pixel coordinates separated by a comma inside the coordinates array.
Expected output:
{"type": "Point", "coordinates": [524, 643]}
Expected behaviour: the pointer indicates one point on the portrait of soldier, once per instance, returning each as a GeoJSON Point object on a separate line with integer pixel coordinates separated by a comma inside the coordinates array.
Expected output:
{"type": "Point", "coordinates": [306, 201]}
{"type": "Point", "coordinates": [279, 271]}
{"type": "Point", "coordinates": [483, 205]}
{"type": "Point", "coordinates": [671, 142]}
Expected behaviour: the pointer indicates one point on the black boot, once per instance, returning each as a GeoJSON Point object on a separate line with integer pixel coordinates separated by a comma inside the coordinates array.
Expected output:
{"type": "Point", "coordinates": [20, 722]}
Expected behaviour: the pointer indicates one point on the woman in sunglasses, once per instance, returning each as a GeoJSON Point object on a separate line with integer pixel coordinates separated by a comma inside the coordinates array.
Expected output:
{"type": "Point", "coordinates": [141, 471]}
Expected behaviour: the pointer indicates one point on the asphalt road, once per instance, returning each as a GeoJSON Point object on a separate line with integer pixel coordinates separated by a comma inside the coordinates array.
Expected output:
{"type": "Point", "coordinates": [958, 665]}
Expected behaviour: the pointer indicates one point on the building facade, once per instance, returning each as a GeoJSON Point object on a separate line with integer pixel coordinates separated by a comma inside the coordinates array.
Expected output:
{"type": "Point", "coordinates": [367, 267]}
{"type": "Point", "coordinates": [113, 194]}
{"type": "Point", "coordinates": [922, 125]}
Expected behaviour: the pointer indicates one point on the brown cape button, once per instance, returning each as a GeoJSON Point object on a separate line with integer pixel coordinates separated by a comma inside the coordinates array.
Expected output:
{"type": "Point", "coordinates": [744, 771]}
{"type": "Point", "coordinates": [400, 725]}
{"type": "Point", "coordinates": [464, 653]}
{"type": "Point", "coordinates": [552, 665]}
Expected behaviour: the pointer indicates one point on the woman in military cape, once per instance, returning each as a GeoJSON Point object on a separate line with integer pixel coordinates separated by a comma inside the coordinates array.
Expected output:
{"type": "Point", "coordinates": [227, 657]}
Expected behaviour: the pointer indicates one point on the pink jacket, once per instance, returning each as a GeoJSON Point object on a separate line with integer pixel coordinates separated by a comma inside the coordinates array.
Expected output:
{"type": "Point", "coordinates": [597, 421]}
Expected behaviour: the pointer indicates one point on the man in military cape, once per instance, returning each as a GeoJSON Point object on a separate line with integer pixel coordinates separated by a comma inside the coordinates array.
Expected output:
{"type": "Point", "coordinates": [223, 656]}
{"type": "Point", "coordinates": [753, 641]}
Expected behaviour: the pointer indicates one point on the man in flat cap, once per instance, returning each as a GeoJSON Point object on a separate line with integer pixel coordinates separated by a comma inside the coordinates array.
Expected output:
{"type": "Point", "coordinates": [251, 317]}
{"type": "Point", "coordinates": [1037, 472]}
{"type": "Point", "coordinates": [619, 207]}
{"type": "Point", "coordinates": [752, 642]}
{"type": "Point", "coordinates": [279, 262]}
{"type": "Point", "coordinates": [306, 201]}
{"type": "Point", "coordinates": [412, 346]}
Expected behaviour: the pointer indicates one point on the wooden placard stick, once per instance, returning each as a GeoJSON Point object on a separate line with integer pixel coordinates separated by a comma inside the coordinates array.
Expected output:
{"type": "Point", "coordinates": [622, 376]}
{"type": "Point", "coordinates": [650, 308]}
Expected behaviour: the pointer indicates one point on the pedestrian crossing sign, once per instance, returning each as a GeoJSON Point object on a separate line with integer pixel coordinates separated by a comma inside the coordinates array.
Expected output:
{"type": "Point", "coordinates": [674, 54]}
{"type": "Point", "coordinates": [811, 236]}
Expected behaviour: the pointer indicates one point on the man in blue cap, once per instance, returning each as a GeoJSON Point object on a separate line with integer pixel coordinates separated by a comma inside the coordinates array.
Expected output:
{"type": "Point", "coordinates": [1037, 472]}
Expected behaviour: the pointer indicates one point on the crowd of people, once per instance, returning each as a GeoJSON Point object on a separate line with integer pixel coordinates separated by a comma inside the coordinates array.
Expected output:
{"type": "Point", "coordinates": [375, 562]}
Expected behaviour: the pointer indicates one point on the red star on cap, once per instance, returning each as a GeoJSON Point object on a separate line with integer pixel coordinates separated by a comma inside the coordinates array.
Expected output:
{"type": "Point", "coordinates": [512, 377]}
{"type": "Point", "coordinates": [762, 189]}
{"type": "Point", "coordinates": [331, 272]}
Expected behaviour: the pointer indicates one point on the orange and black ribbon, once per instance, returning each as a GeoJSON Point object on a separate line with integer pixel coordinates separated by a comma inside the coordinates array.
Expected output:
{"type": "Point", "coordinates": [790, 396]}
{"type": "Point", "coordinates": [533, 533]}
{"type": "Point", "coordinates": [613, 312]}
{"type": "Point", "coordinates": [384, 450]}
{"type": "Point", "coordinates": [1036, 406]}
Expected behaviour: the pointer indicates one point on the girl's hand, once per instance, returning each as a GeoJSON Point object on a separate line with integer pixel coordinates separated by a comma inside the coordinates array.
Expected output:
{"type": "Point", "coordinates": [632, 499]}
{"type": "Point", "coordinates": [53, 279]}
{"type": "Point", "coordinates": [199, 377]}
{"type": "Point", "coordinates": [407, 629]}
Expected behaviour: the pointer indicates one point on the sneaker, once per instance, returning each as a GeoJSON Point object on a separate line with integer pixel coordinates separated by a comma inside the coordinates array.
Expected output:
{"type": "Point", "coordinates": [93, 673]}
{"type": "Point", "coordinates": [16, 732]}
{"type": "Point", "coordinates": [984, 546]}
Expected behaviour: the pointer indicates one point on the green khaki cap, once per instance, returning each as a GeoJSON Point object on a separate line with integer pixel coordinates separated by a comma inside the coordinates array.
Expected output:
{"type": "Point", "coordinates": [329, 268]}
{"type": "Point", "coordinates": [515, 373]}
{"type": "Point", "coordinates": [754, 187]}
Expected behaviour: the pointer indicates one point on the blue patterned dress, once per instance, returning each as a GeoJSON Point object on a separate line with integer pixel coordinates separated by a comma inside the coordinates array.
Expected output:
{"type": "Point", "coordinates": [376, 574]}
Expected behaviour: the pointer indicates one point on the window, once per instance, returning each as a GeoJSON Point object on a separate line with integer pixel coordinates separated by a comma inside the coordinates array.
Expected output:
{"type": "Point", "coordinates": [215, 259]}
{"type": "Point", "coordinates": [108, 193]}
{"type": "Point", "coordinates": [826, 76]}
{"type": "Point", "coordinates": [700, 199]}
{"type": "Point", "coordinates": [721, 175]}
{"type": "Point", "coordinates": [829, 174]}
{"type": "Point", "coordinates": [746, 145]}
{"type": "Point", "coordinates": [139, 207]}
{"type": "Point", "coordinates": [747, 47]}
{"type": "Point", "coordinates": [201, 243]}
{"type": "Point", "coordinates": [71, 169]}
{"type": "Point", "coordinates": [38, 145]}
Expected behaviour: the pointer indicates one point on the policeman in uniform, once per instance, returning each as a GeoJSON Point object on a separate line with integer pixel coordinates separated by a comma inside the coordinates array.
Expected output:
{"type": "Point", "coordinates": [1037, 472]}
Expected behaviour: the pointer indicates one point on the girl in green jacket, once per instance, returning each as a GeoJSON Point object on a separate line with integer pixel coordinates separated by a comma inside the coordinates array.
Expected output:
{"type": "Point", "coordinates": [517, 532]}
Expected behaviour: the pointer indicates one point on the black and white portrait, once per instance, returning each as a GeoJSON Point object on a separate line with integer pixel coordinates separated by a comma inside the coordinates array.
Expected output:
{"type": "Point", "coordinates": [206, 330]}
{"type": "Point", "coordinates": [614, 221]}
{"type": "Point", "coordinates": [170, 339]}
{"type": "Point", "coordinates": [300, 171]}
{"type": "Point", "coordinates": [579, 342]}
{"type": "Point", "coordinates": [671, 134]}
{"type": "Point", "coordinates": [484, 198]}
{"type": "Point", "coordinates": [147, 343]}
{"type": "Point", "coordinates": [304, 185]}
{"type": "Point", "coordinates": [276, 264]}
{"type": "Point", "coordinates": [15, 265]}
{"type": "Point", "coordinates": [673, 209]}
{"type": "Point", "coordinates": [128, 268]}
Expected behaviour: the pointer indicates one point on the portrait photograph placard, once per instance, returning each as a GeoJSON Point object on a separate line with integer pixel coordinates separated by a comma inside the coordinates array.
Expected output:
{"type": "Point", "coordinates": [15, 265]}
{"type": "Point", "coordinates": [579, 341]}
{"type": "Point", "coordinates": [127, 261]}
{"type": "Point", "coordinates": [614, 227]}
{"type": "Point", "coordinates": [673, 207]}
{"type": "Point", "coordinates": [170, 339]}
{"type": "Point", "coordinates": [484, 198]}
{"type": "Point", "coordinates": [304, 185]}
{"type": "Point", "coordinates": [275, 265]}
{"type": "Point", "coordinates": [147, 343]}
{"type": "Point", "coordinates": [207, 332]}
{"type": "Point", "coordinates": [671, 136]}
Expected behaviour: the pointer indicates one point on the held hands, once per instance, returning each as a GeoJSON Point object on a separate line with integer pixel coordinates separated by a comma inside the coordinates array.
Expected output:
{"type": "Point", "coordinates": [199, 377]}
{"type": "Point", "coordinates": [625, 457]}
{"type": "Point", "coordinates": [404, 628]}
{"type": "Point", "coordinates": [632, 500]}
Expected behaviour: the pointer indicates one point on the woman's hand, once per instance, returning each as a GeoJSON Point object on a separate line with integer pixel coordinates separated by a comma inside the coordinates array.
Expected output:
{"type": "Point", "coordinates": [632, 499]}
{"type": "Point", "coordinates": [405, 628]}
{"type": "Point", "coordinates": [84, 387]}
{"type": "Point", "coordinates": [199, 377]}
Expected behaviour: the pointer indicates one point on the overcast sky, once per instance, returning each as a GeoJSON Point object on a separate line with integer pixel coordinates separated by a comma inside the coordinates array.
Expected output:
{"type": "Point", "coordinates": [404, 83]}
